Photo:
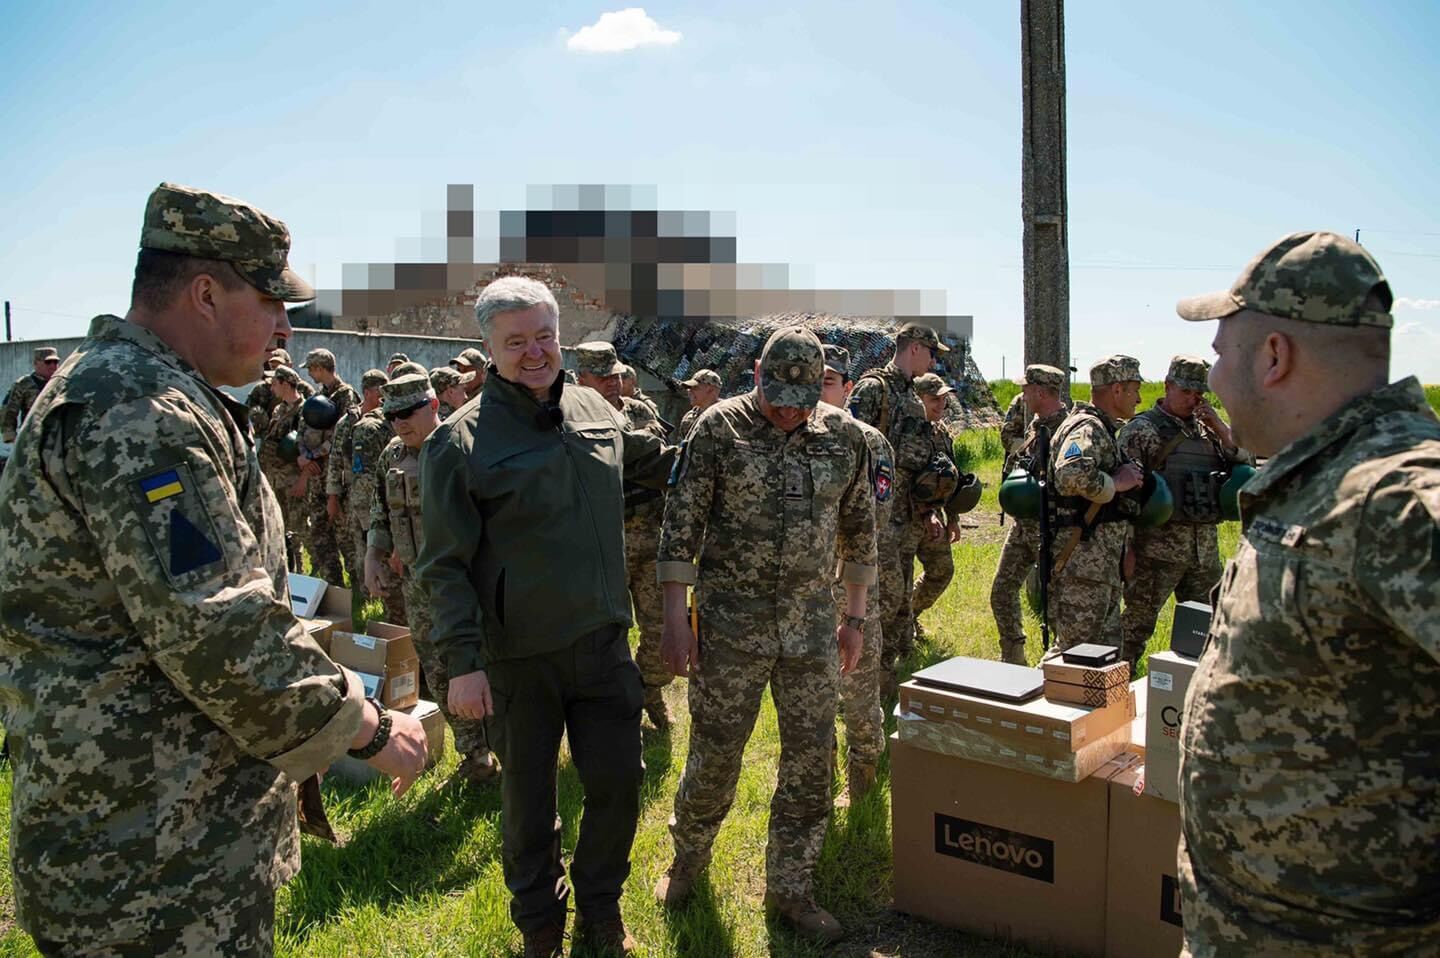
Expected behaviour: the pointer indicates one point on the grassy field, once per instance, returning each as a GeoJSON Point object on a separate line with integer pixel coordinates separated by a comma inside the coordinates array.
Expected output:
{"type": "Point", "coordinates": [421, 876]}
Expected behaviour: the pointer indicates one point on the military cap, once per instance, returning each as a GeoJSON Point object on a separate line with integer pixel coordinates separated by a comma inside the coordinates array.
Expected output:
{"type": "Point", "coordinates": [1309, 276]}
{"type": "Point", "coordinates": [596, 358]}
{"type": "Point", "coordinates": [931, 385]}
{"type": "Point", "coordinates": [323, 358]}
{"type": "Point", "coordinates": [627, 371]}
{"type": "Point", "coordinates": [443, 377]}
{"type": "Point", "coordinates": [46, 352]}
{"type": "Point", "coordinates": [792, 367]}
{"type": "Point", "coordinates": [181, 219]}
{"type": "Point", "coordinates": [373, 379]}
{"type": "Point", "coordinates": [283, 355]}
{"type": "Point", "coordinates": [1118, 368]}
{"type": "Point", "coordinates": [404, 392]}
{"type": "Point", "coordinates": [409, 368]}
{"type": "Point", "coordinates": [397, 358]}
{"type": "Point", "coordinates": [1038, 374]}
{"type": "Point", "coordinates": [705, 377]}
{"type": "Point", "coordinates": [838, 359]}
{"type": "Point", "coordinates": [1189, 372]}
{"type": "Point", "coordinates": [471, 357]}
{"type": "Point", "coordinates": [920, 333]}
{"type": "Point", "coordinates": [287, 375]}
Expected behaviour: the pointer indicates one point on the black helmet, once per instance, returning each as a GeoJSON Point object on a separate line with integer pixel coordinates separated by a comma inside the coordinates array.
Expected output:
{"type": "Point", "coordinates": [289, 447]}
{"type": "Point", "coordinates": [319, 412]}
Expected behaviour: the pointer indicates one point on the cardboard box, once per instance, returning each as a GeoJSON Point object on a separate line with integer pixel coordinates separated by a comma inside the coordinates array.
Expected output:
{"type": "Point", "coordinates": [305, 594]}
{"type": "Point", "coordinates": [385, 659]}
{"type": "Point", "coordinates": [322, 608]}
{"type": "Point", "coordinates": [1104, 677]}
{"type": "Point", "coordinates": [1050, 739]}
{"type": "Point", "coordinates": [354, 770]}
{"type": "Point", "coordinates": [1094, 696]}
{"type": "Point", "coordinates": [1137, 725]}
{"type": "Point", "coordinates": [1142, 910]}
{"type": "Point", "coordinates": [1169, 678]}
{"type": "Point", "coordinates": [999, 852]}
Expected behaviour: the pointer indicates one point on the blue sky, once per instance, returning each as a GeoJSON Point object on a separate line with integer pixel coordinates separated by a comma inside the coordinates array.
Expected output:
{"type": "Point", "coordinates": [871, 145]}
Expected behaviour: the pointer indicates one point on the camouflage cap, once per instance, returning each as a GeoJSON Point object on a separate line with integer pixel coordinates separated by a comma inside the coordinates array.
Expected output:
{"type": "Point", "coordinates": [931, 385]}
{"type": "Point", "coordinates": [1310, 276]}
{"type": "Point", "coordinates": [920, 333]}
{"type": "Point", "coordinates": [181, 219]}
{"type": "Point", "coordinates": [283, 355]}
{"type": "Point", "coordinates": [373, 379]}
{"type": "Point", "coordinates": [409, 368]}
{"type": "Point", "coordinates": [397, 358]}
{"type": "Point", "coordinates": [46, 352]}
{"type": "Point", "coordinates": [287, 375]}
{"type": "Point", "coordinates": [1039, 374]}
{"type": "Point", "coordinates": [705, 377]}
{"type": "Point", "coordinates": [471, 357]}
{"type": "Point", "coordinates": [1118, 368]}
{"type": "Point", "coordinates": [323, 358]}
{"type": "Point", "coordinates": [627, 371]}
{"type": "Point", "coordinates": [596, 358]}
{"type": "Point", "coordinates": [838, 359]}
{"type": "Point", "coordinates": [443, 377]}
{"type": "Point", "coordinates": [1189, 372]}
{"type": "Point", "coordinates": [792, 366]}
{"type": "Point", "coordinates": [404, 392]}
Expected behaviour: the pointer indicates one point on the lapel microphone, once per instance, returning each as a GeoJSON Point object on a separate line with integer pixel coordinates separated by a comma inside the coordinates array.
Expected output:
{"type": "Point", "coordinates": [549, 416]}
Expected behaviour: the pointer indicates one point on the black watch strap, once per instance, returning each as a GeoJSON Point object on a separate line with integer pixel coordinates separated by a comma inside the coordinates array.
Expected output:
{"type": "Point", "coordinates": [382, 734]}
{"type": "Point", "coordinates": [855, 622]}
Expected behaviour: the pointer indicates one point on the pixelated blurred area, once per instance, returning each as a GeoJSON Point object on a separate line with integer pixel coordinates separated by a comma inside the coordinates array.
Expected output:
{"type": "Point", "coordinates": [663, 285]}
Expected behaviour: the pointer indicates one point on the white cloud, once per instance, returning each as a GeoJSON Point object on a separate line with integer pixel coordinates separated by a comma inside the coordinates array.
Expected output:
{"type": "Point", "coordinates": [1405, 302]}
{"type": "Point", "coordinates": [621, 30]}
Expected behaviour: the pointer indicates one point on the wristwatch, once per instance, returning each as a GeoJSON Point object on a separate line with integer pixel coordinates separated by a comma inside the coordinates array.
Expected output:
{"type": "Point", "coordinates": [382, 733]}
{"type": "Point", "coordinates": [856, 622]}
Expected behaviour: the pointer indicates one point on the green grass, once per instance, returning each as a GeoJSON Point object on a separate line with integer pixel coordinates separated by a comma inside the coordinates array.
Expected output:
{"type": "Point", "coordinates": [421, 876]}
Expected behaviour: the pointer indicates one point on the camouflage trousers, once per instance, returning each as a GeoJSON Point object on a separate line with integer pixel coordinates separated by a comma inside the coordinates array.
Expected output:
{"type": "Point", "coordinates": [860, 703]}
{"type": "Point", "coordinates": [320, 536]}
{"type": "Point", "coordinates": [1084, 610]}
{"type": "Point", "coordinates": [1146, 594]}
{"type": "Point", "coordinates": [642, 542]}
{"type": "Point", "coordinates": [469, 734]}
{"type": "Point", "coordinates": [1017, 557]}
{"type": "Point", "coordinates": [391, 593]}
{"type": "Point", "coordinates": [230, 927]}
{"type": "Point", "coordinates": [937, 568]}
{"type": "Point", "coordinates": [724, 702]}
{"type": "Point", "coordinates": [898, 542]}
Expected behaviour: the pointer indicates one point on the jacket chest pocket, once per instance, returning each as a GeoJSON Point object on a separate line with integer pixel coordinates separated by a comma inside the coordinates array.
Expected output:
{"type": "Point", "coordinates": [402, 496]}
{"type": "Point", "coordinates": [829, 470]}
{"type": "Point", "coordinates": [597, 441]}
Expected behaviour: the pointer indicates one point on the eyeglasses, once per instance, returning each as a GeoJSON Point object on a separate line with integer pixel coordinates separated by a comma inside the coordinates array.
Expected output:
{"type": "Point", "coordinates": [407, 412]}
{"type": "Point", "coordinates": [50, 362]}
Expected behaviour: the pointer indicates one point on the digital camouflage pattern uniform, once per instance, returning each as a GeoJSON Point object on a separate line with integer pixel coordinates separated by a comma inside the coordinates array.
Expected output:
{"type": "Point", "coordinates": [396, 527]}
{"type": "Point", "coordinates": [1085, 592]}
{"type": "Point", "coordinates": [161, 698]}
{"type": "Point", "coordinates": [763, 513]}
{"type": "Point", "coordinates": [283, 418]}
{"type": "Point", "coordinates": [1021, 550]}
{"type": "Point", "coordinates": [937, 561]}
{"type": "Point", "coordinates": [1014, 429]}
{"type": "Point", "coordinates": [340, 473]}
{"type": "Point", "coordinates": [322, 539]}
{"type": "Point", "coordinates": [886, 399]}
{"type": "Point", "coordinates": [22, 396]}
{"type": "Point", "coordinates": [644, 511]}
{"type": "Point", "coordinates": [1183, 555]}
{"type": "Point", "coordinates": [1308, 775]}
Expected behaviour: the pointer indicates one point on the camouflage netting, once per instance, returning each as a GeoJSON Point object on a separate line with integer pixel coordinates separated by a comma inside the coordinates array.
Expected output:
{"type": "Point", "coordinates": [674, 349]}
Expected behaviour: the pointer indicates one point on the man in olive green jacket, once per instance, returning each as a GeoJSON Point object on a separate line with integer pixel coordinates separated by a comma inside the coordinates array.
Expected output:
{"type": "Point", "coordinates": [524, 562]}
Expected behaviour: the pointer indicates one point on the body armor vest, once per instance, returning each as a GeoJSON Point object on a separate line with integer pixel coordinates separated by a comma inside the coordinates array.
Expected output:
{"type": "Point", "coordinates": [1194, 469]}
{"type": "Point", "coordinates": [402, 498]}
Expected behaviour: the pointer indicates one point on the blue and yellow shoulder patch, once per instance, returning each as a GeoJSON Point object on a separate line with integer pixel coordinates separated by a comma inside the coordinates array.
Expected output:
{"type": "Point", "coordinates": [176, 520]}
{"type": "Point", "coordinates": [163, 486]}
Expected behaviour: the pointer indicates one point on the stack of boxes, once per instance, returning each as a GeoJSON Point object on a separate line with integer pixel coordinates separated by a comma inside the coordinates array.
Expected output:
{"type": "Point", "coordinates": [1028, 821]}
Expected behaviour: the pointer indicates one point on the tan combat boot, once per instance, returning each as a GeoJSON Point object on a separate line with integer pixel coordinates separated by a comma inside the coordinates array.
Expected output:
{"type": "Point", "coordinates": [675, 886]}
{"type": "Point", "coordinates": [861, 778]}
{"type": "Point", "coordinates": [808, 918]}
{"type": "Point", "coordinates": [474, 771]}
{"type": "Point", "coordinates": [602, 937]}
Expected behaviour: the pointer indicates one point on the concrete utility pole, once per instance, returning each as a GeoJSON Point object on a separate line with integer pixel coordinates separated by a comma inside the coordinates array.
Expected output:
{"type": "Point", "coordinates": [1043, 205]}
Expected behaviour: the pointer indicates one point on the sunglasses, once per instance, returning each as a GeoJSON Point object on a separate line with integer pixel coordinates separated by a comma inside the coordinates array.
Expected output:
{"type": "Point", "coordinates": [407, 412]}
{"type": "Point", "coordinates": [50, 362]}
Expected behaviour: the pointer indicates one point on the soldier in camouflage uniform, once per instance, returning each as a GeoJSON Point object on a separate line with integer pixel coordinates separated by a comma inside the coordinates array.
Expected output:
{"type": "Point", "coordinates": [161, 698]}
{"type": "Point", "coordinates": [471, 361]}
{"type": "Point", "coordinates": [704, 391]}
{"type": "Point", "coordinates": [1308, 775]}
{"type": "Point", "coordinates": [23, 393]}
{"type": "Point", "coordinates": [340, 472]}
{"type": "Point", "coordinates": [396, 537]}
{"type": "Point", "coordinates": [323, 539]}
{"type": "Point", "coordinates": [395, 360]}
{"type": "Point", "coordinates": [886, 399]}
{"type": "Point", "coordinates": [630, 388]}
{"type": "Point", "coordinates": [860, 703]}
{"type": "Point", "coordinates": [1091, 527]}
{"type": "Point", "coordinates": [937, 561]}
{"type": "Point", "coordinates": [597, 366]}
{"type": "Point", "coordinates": [280, 470]}
{"type": "Point", "coordinates": [1041, 386]}
{"type": "Point", "coordinates": [261, 401]}
{"type": "Point", "coordinates": [1014, 427]}
{"type": "Point", "coordinates": [449, 385]}
{"type": "Point", "coordinates": [1182, 439]}
{"type": "Point", "coordinates": [770, 485]}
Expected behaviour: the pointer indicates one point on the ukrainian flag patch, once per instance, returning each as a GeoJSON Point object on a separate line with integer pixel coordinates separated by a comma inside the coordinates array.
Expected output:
{"type": "Point", "coordinates": [164, 486]}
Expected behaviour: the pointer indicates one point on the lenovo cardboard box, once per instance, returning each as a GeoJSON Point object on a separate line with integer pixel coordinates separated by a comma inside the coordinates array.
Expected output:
{"type": "Point", "coordinates": [354, 770]}
{"type": "Point", "coordinates": [1142, 911]}
{"type": "Point", "coordinates": [1168, 680]}
{"type": "Point", "coordinates": [385, 659]}
{"type": "Point", "coordinates": [1050, 739]}
{"type": "Point", "coordinates": [999, 852]}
